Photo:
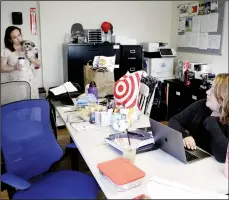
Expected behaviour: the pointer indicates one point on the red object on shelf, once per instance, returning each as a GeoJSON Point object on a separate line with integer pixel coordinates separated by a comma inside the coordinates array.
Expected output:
{"type": "Point", "coordinates": [106, 26]}
{"type": "Point", "coordinates": [37, 67]}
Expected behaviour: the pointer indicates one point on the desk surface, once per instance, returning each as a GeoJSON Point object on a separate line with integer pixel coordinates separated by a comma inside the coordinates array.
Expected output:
{"type": "Point", "coordinates": [206, 174]}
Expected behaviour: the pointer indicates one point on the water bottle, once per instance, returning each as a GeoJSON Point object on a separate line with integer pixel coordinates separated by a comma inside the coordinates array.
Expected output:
{"type": "Point", "coordinates": [226, 163]}
{"type": "Point", "coordinates": [93, 89]}
{"type": "Point", "coordinates": [92, 116]}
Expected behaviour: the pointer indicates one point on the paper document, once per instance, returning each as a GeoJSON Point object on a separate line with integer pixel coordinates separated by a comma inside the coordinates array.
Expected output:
{"type": "Point", "coordinates": [213, 22]}
{"type": "Point", "coordinates": [181, 41]}
{"type": "Point", "coordinates": [156, 188]}
{"type": "Point", "coordinates": [203, 40]}
{"type": "Point", "coordinates": [209, 23]}
{"type": "Point", "coordinates": [196, 24]}
{"type": "Point", "coordinates": [214, 41]}
{"type": "Point", "coordinates": [68, 86]}
{"type": "Point", "coordinates": [181, 25]}
{"type": "Point", "coordinates": [204, 21]}
{"type": "Point", "coordinates": [192, 39]}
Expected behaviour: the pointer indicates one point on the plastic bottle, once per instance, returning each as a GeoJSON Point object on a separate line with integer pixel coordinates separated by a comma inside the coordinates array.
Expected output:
{"type": "Point", "coordinates": [93, 89]}
{"type": "Point", "coordinates": [86, 88]}
{"type": "Point", "coordinates": [92, 116]}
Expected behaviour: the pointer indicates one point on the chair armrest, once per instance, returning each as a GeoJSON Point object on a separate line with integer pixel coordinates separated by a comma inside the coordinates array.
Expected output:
{"type": "Point", "coordinates": [15, 181]}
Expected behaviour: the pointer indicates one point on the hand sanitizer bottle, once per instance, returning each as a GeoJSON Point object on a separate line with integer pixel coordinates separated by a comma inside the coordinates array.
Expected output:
{"type": "Point", "coordinates": [92, 116]}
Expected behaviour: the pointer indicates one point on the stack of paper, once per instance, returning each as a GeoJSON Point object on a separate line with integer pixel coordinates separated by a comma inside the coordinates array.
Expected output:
{"type": "Point", "coordinates": [66, 87]}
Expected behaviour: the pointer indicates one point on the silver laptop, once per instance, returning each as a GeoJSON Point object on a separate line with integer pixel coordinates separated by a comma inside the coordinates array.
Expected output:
{"type": "Point", "coordinates": [171, 141]}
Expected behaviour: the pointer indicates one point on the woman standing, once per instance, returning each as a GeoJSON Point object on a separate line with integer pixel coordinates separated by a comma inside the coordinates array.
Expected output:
{"type": "Point", "coordinates": [9, 60]}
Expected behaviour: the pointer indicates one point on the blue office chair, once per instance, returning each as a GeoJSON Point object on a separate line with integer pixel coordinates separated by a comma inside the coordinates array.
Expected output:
{"type": "Point", "coordinates": [30, 149]}
{"type": "Point", "coordinates": [71, 148]}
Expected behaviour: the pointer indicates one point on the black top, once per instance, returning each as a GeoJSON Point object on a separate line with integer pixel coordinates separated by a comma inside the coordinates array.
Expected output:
{"type": "Point", "coordinates": [208, 132]}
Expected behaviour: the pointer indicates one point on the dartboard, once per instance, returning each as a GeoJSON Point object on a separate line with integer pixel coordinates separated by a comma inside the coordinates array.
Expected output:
{"type": "Point", "coordinates": [126, 89]}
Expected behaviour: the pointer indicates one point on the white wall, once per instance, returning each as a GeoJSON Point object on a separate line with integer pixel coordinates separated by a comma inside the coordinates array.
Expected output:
{"type": "Point", "coordinates": [219, 63]}
{"type": "Point", "coordinates": [143, 20]}
{"type": "Point", "coordinates": [7, 7]}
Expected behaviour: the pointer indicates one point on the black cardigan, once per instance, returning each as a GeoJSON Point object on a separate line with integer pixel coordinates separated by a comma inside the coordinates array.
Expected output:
{"type": "Point", "coordinates": [208, 132]}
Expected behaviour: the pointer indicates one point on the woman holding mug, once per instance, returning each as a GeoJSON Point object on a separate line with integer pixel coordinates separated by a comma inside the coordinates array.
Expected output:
{"type": "Point", "coordinates": [205, 123]}
{"type": "Point", "coordinates": [16, 62]}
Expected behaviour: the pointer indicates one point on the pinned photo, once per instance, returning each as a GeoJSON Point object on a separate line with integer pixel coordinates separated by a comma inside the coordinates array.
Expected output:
{"type": "Point", "coordinates": [207, 7]}
{"type": "Point", "coordinates": [214, 6]}
{"type": "Point", "coordinates": [193, 9]}
{"type": "Point", "coordinates": [184, 10]}
{"type": "Point", "coordinates": [201, 8]}
{"type": "Point", "coordinates": [188, 24]}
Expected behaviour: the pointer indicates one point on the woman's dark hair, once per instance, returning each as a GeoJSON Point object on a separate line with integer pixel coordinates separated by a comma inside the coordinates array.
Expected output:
{"type": "Point", "coordinates": [7, 39]}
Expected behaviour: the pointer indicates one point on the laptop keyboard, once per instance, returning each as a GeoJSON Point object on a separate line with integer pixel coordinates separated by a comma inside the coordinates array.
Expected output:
{"type": "Point", "coordinates": [190, 156]}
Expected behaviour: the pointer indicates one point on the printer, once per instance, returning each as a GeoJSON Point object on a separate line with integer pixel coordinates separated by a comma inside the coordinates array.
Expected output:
{"type": "Point", "coordinates": [199, 69]}
{"type": "Point", "coordinates": [159, 59]}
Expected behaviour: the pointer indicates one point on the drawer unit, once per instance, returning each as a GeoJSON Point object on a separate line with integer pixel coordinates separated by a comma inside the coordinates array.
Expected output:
{"type": "Point", "coordinates": [180, 96]}
{"type": "Point", "coordinates": [131, 58]}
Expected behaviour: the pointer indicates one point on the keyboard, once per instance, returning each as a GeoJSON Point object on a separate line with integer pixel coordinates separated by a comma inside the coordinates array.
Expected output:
{"type": "Point", "coordinates": [190, 156]}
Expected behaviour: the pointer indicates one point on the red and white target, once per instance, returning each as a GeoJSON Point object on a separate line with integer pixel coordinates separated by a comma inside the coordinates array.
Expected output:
{"type": "Point", "coordinates": [126, 89]}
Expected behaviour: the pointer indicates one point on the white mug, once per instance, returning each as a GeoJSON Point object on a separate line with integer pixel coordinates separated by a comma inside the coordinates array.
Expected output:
{"type": "Point", "coordinates": [21, 61]}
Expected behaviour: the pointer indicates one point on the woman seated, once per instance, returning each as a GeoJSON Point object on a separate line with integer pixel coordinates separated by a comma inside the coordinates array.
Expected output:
{"type": "Point", "coordinates": [205, 123]}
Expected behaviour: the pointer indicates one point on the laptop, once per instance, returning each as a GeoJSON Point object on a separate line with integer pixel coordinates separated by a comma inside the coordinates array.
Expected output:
{"type": "Point", "coordinates": [171, 141]}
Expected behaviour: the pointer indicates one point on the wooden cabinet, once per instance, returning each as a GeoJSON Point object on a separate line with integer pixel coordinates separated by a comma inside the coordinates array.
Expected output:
{"type": "Point", "coordinates": [180, 96]}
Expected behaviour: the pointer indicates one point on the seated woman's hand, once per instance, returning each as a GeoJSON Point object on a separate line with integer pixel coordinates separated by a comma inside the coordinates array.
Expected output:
{"type": "Point", "coordinates": [189, 142]}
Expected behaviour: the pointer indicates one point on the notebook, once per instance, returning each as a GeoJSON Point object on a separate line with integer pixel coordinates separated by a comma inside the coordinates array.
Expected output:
{"type": "Point", "coordinates": [120, 171]}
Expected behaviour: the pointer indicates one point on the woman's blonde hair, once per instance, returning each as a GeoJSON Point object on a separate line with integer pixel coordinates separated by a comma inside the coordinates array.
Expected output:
{"type": "Point", "coordinates": [221, 94]}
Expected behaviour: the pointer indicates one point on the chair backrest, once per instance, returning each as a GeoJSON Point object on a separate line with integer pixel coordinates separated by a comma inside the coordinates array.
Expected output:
{"type": "Point", "coordinates": [143, 95]}
{"type": "Point", "coordinates": [15, 91]}
{"type": "Point", "coordinates": [29, 146]}
{"type": "Point", "coordinates": [151, 100]}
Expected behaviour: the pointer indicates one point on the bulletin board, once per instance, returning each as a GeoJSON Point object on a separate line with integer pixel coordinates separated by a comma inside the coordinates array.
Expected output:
{"type": "Point", "coordinates": [200, 27]}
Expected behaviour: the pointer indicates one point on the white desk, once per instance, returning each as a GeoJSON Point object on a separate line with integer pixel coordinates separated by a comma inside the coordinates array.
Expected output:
{"type": "Point", "coordinates": [206, 174]}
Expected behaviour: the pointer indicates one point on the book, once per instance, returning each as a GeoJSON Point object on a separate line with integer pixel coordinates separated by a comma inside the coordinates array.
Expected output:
{"type": "Point", "coordinates": [138, 137]}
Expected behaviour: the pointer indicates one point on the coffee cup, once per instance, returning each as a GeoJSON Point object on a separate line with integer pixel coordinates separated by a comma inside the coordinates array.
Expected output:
{"type": "Point", "coordinates": [21, 61]}
{"type": "Point", "coordinates": [129, 152]}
